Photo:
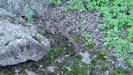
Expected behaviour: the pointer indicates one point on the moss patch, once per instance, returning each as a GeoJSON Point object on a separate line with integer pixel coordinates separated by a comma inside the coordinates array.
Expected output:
{"type": "Point", "coordinates": [37, 38]}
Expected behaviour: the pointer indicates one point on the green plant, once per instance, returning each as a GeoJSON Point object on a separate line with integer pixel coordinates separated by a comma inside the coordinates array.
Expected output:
{"type": "Point", "coordinates": [55, 1]}
{"type": "Point", "coordinates": [79, 70]}
{"type": "Point", "coordinates": [103, 68]}
{"type": "Point", "coordinates": [116, 23]}
{"type": "Point", "coordinates": [75, 5]}
{"type": "Point", "coordinates": [101, 56]}
{"type": "Point", "coordinates": [87, 40]}
{"type": "Point", "coordinates": [130, 34]}
{"type": "Point", "coordinates": [28, 13]}
{"type": "Point", "coordinates": [92, 66]}
{"type": "Point", "coordinates": [9, 70]}
{"type": "Point", "coordinates": [36, 66]}
{"type": "Point", "coordinates": [37, 38]}
{"type": "Point", "coordinates": [130, 62]}
{"type": "Point", "coordinates": [119, 71]}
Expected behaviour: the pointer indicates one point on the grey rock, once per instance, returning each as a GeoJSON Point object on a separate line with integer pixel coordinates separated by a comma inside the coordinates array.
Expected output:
{"type": "Point", "coordinates": [20, 41]}
{"type": "Point", "coordinates": [17, 6]}
{"type": "Point", "coordinates": [30, 72]}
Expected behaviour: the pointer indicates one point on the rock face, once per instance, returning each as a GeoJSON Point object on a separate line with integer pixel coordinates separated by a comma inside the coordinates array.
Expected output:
{"type": "Point", "coordinates": [17, 6]}
{"type": "Point", "coordinates": [19, 41]}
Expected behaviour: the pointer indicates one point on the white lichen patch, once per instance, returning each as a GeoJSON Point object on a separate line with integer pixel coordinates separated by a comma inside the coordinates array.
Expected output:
{"type": "Point", "coordinates": [51, 68]}
{"type": "Point", "coordinates": [85, 58]}
{"type": "Point", "coordinates": [60, 59]}
{"type": "Point", "coordinates": [30, 72]}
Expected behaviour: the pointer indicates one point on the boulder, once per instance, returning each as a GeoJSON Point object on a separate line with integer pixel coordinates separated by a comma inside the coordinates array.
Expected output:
{"type": "Point", "coordinates": [19, 41]}
{"type": "Point", "coordinates": [18, 6]}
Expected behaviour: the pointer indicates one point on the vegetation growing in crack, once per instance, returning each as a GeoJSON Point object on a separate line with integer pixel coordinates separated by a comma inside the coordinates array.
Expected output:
{"type": "Point", "coordinates": [38, 39]}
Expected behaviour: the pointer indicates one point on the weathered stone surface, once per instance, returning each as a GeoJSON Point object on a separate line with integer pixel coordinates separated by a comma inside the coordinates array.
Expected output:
{"type": "Point", "coordinates": [19, 41]}
{"type": "Point", "coordinates": [17, 6]}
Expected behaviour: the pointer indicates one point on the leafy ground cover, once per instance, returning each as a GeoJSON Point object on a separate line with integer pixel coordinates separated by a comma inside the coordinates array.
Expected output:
{"type": "Point", "coordinates": [102, 28]}
{"type": "Point", "coordinates": [115, 23]}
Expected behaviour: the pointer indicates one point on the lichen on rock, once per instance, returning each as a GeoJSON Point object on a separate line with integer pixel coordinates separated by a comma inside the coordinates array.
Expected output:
{"type": "Point", "coordinates": [17, 43]}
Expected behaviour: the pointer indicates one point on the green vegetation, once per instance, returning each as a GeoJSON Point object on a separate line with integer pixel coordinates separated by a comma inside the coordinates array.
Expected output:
{"type": "Point", "coordinates": [115, 19]}
{"type": "Point", "coordinates": [75, 5]}
{"type": "Point", "coordinates": [55, 1]}
{"type": "Point", "coordinates": [101, 56]}
{"type": "Point", "coordinates": [28, 13]}
{"type": "Point", "coordinates": [22, 72]}
{"type": "Point", "coordinates": [103, 68]}
{"type": "Point", "coordinates": [36, 66]}
{"type": "Point", "coordinates": [87, 41]}
{"type": "Point", "coordinates": [65, 51]}
{"type": "Point", "coordinates": [119, 71]}
{"type": "Point", "coordinates": [37, 38]}
{"type": "Point", "coordinates": [116, 23]}
{"type": "Point", "coordinates": [9, 70]}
